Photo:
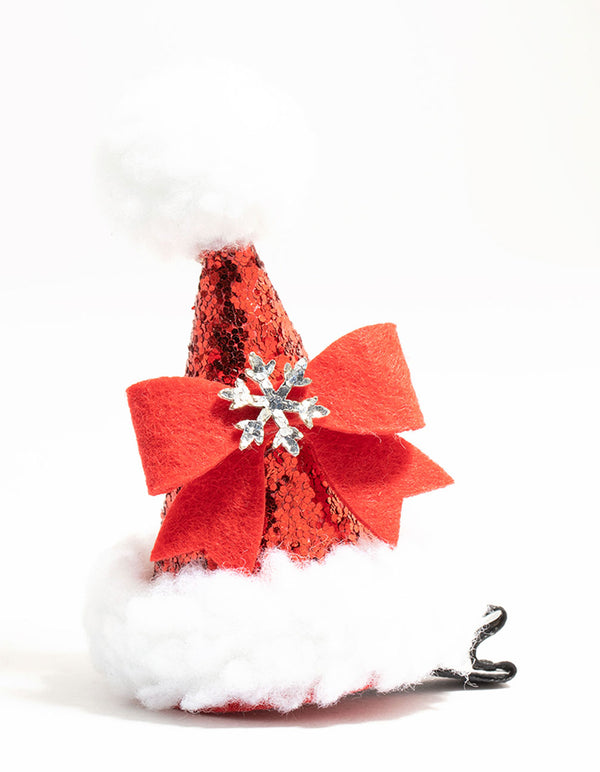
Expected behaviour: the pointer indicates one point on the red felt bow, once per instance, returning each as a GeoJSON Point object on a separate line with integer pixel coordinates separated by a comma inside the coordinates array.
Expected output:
{"type": "Point", "coordinates": [187, 439]}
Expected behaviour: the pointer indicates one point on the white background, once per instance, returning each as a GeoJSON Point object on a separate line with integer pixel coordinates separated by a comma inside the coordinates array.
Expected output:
{"type": "Point", "coordinates": [457, 194]}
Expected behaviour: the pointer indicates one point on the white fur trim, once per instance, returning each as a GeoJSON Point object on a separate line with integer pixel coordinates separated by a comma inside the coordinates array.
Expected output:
{"type": "Point", "coordinates": [202, 157]}
{"type": "Point", "coordinates": [292, 632]}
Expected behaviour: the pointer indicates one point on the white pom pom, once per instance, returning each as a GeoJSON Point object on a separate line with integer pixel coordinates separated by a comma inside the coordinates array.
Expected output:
{"type": "Point", "coordinates": [205, 157]}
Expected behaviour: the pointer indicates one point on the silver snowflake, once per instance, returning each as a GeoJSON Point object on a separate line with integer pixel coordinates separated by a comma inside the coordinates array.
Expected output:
{"type": "Point", "coordinates": [274, 404]}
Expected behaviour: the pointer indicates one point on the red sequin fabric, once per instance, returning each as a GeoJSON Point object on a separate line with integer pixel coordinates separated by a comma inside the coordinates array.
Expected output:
{"type": "Point", "coordinates": [237, 311]}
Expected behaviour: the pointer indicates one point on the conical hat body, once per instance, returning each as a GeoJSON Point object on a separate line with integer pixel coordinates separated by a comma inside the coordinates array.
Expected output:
{"type": "Point", "coordinates": [238, 311]}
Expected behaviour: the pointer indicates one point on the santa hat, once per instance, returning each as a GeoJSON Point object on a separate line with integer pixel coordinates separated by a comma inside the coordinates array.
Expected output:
{"type": "Point", "coordinates": [278, 577]}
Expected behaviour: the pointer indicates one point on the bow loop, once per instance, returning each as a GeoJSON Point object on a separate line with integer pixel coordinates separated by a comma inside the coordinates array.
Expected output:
{"type": "Point", "coordinates": [183, 429]}
{"type": "Point", "coordinates": [364, 380]}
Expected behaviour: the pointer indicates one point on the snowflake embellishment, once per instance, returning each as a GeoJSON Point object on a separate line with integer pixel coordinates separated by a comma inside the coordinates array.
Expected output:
{"type": "Point", "coordinates": [274, 403]}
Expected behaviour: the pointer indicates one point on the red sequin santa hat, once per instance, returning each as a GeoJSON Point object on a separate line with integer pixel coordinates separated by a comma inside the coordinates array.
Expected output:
{"type": "Point", "coordinates": [271, 580]}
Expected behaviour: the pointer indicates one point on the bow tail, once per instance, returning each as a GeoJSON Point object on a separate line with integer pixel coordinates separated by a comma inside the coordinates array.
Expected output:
{"type": "Point", "coordinates": [220, 514]}
{"type": "Point", "coordinates": [372, 475]}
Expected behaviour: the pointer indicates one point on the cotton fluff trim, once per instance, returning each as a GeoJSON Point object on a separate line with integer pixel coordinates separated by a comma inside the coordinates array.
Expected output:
{"type": "Point", "coordinates": [292, 633]}
{"type": "Point", "coordinates": [201, 157]}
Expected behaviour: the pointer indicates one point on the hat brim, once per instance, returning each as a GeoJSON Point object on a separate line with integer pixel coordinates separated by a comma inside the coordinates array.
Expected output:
{"type": "Point", "coordinates": [367, 616]}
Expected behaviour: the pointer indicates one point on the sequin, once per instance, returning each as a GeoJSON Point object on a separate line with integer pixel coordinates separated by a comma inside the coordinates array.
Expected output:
{"type": "Point", "coordinates": [303, 514]}
{"type": "Point", "coordinates": [238, 311]}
